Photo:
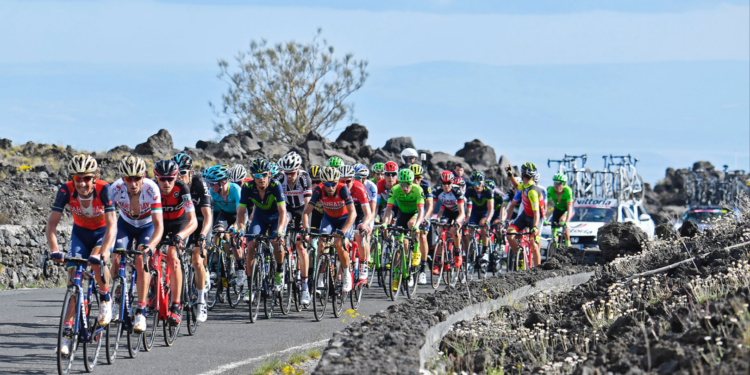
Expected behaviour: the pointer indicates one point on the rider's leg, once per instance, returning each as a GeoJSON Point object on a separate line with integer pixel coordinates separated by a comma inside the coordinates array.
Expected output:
{"type": "Point", "coordinates": [175, 277]}
{"type": "Point", "coordinates": [343, 254]}
{"type": "Point", "coordinates": [200, 271]}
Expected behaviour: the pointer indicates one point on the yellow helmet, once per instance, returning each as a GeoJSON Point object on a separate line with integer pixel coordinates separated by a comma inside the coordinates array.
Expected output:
{"type": "Point", "coordinates": [417, 169]}
{"type": "Point", "coordinates": [82, 163]}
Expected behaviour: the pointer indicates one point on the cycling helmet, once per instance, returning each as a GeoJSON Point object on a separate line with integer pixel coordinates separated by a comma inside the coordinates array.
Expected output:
{"type": "Point", "coordinates": [490, 184]}
{"type": "Point", "coordinates": [560, 177]}
{"type": "Point", "coordinates": [132, 166]}
{"type": "Point", "coordinates": [528, 170]}
{"type": "Point", "coordinates": [477, 177]}
{"type": "Point", "coordinates": [390, 166]}
{"type": "Point", "coordinates": [405, 176]}
{"type": "Point", "coordinates": [347, 171]}
{"type": "Point", "coordinates": [166, 168]}
{"type": "Point", "coordinates": [417, 169]}
{"type": "Point", "coordinates": [446, 176]}
{"type": "Point", "coordinates": [260, 165]}
{"type": "Point", "coordinates": [361, 171]}
{"type": "Point", "coordinates": [217, 173]}
{"type": "Point", "coordinates": [290, 162]}
{"type": "Point", "coordinates": [273, 169]}
{"type": "Point", "coordinates": [378, 168]}
{"type": "Point", "coordinates": [335, 162]}
{"type": "Point", "coordinates": [459, 181]}
{"type": "Point", "coordinates": [329, 174]}
{"type": "Point", "coordinates": [536, 178]}
{"type": "Point", "coordinates": [409, 153]}
{"type": "Point", "coordinates": [315, 172]}
{"type": "Point", "coordinates": [83, 163]}
{"type": "Point", "coordinates": [238, 173]}
{"type": "Point", "coordinates": [184, 161]}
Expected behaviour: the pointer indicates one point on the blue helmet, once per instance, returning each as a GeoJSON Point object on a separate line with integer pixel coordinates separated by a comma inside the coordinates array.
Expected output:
{"type": "Point", "coordinates": [273, 169]}
{"type": "Point", "coordinates": [216, 173]}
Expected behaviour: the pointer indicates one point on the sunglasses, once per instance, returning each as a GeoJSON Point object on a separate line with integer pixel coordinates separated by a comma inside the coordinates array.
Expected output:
{"type": "Point", "coordinates": [348, 180]}
{"type": "Point", "coordinates": [292, 173]}
{"type": "Point", "coordinates": [83, 178]}
{"type": "Point", "coordinates": [260, 175]}
{"type": "Point", "coordinates": [391, 174]}
{"type": "Point", "coordinates": [447, 183]}
{"type": "Point", "coordinates": [357, 178]}
{"type": "Point", "coordinates": [404, 184]}
{"type": "Point", "coordinates": [216, 183]}
{"type": "Point", "coordinates": [132, 179]}
{"type": "Point", "coordinates": [330, 184]}
{"type": "Point", "coordinates": [557, 183]}
{"type": "Point", "coordinates": [185, 172]}
{"type": "Point", "coordinates": [166, 178]}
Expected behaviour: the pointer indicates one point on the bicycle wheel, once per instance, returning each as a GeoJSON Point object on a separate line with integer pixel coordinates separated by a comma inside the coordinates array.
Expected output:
{"type": "Point", "coordinates": [355, 296]}
{"type": "Point", "coordinates": [115, 328]}
{"type": "Point", "coordinates": [411, 276]}
{"type": "Point", "coordinates": [152, 310]}
{"type": "Point", "coordinates": [320, 292]}
{"type": "Point", "coordinates": [397, 270]}
{"type": "Point", "coordinates": [471, 258]}
{"type": "Point", "coordinates": [234, 293]}
{"type": "Point", "coordinates": [269, 299]}
{"type": "Point", "coordinates": [64, 362]}
{"type": "Point", "coordinates": [212, 274]}
{"type": "Point", "coordinates": [170, 331]}
{"type": "Point", "coordinates": [373, 265]}
{"type": "Point", "coordinates": [134, 338]}
{"type": "Point", "coordinates": [386, 269]}
{"type": "Point", "coordinates": [190, 300]}
{"type": "Point", "coordinates": [285, 296]}
{"type": "Point", "coordinates": [450, 275]}
{"type": "Point", "coordinates": [254, 288]}
{"type": "Point", "coordinates": [93, 347]}
{"type": "Point", "coordinates": [438, 260]}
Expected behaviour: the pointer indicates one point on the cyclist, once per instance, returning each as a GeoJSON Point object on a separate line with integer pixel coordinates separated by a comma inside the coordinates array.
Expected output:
{"type": "Point", "coordinates": [363, 222]}
{"type": "Point", "coordinates": [390, 171]}
{"type": "Point", "coordinates": [140, 221]}
{"type": "Point", "coordinates": [458, 171]}
{"type": "Point", "coordinates": [238, 174]}
{"type": "Point", "coordinates": [225, 197]}
{"type": "Point", "coordinates": [94, 228]}
{"type": "Point", "coordinates": [377, 172]}
{"type": "Point", "coordinates": [451, 211]}
{"type": "Point", "coordinates": [360, 174]}
{"type": "Point", "coordinates": [409, 156]}
{"type": "Point", "coordinates": [562, 199]}
{"type": "Point", "coordinates": [461, 184]}
{"type": "Point", "coordinates": [317, 214]}
{"type": "Point", "coordinates": [298, 191]}
{"type": "Point", "coordinates": [495, 221]}
{"type": "Point", "coordinates": [409, 198]}
{"type": "Point", "coordinates": [179, 223]}
{"type": "Point", "coordinates": [338, 217]}
{"type": "Point", "coordinates": [481, 208]}
{"type": "Point", "coordinates": [532, 213]}
{"type": "Point", "coordinates": [425, 229]}
{"type": "Point", "coordinates": [335, 162]}
{"type": "Point", "coordinates": [275, 175]}
{"type": "Point", "coordinates": [266, 197]}
{"type": "Point", "coordinates": [201, 196]}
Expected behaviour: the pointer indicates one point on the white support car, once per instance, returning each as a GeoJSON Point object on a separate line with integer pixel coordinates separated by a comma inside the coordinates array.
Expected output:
{"type": "Point", "coordinates": [590, 214]}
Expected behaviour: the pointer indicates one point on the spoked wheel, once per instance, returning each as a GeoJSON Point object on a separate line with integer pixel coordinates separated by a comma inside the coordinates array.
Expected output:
{"type": "Point", "coordinates": [396, 274]}
{"type": "Point", "coordinates": [339, 297]}
{"type": "Point", "coordinates": [134, 338]}
{"type": "Point", "coordinates": [386, 271]}
{"type": "Point", "coordinates": [412, 276]}
{"type": "Point", "coordinates": [371, 265]}
{"type": "Point", "coordinates": [234, 291]}
{"type": "Point", "coordinates": [93, 347]}
{"type": "Point", "coordinates": [152, 312]}
{"type": "Point", "coordinates": [450, 272]}
{"type": "Point", "coordinates": [254, 287]}
{"type": "Point", "coordinates": [438, 261]}
{"type": "Point", "coordinates": [269, 300]}
{"type": "Point", "coordinates": [190, 301]}
{"type": "Point", "coordinates": [213, 274]}
{"type": "Point", "coordinates": [320, 290]}
{"type": "Point", "coordinates": [356, 296]}
{"type": "Point", "coordinates": [170, 331]}
{"type": "Point", "coordinates": [64, 362]}
{"type": "Point", "coordinates": [471, 259]}
{"type": "Point", "coordinates": [286, 294]}
{"type": "Point", "coordinates": [115, 327]}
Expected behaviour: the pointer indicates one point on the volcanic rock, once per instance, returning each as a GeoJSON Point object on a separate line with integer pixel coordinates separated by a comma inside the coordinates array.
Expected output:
{"type": "Point", "coordinates": [159, 144]}
{"type": "Point", "coordinates": [476, 153]}
{"type": "Point", "coordinates": [620, 239]}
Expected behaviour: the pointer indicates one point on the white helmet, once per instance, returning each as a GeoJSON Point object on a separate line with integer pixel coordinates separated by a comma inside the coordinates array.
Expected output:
{"type": "Point", "coordinates": [290, 162]}
{"type": "Point", "coordinates": [82, 163]}
{"type": "Point", "coordinates": [237, 173]}
{"type": "Point", "coordinates": [536, 178]}
{"type": "Point", "coordinates": [132, 166]}
{"type": "Point", "coordinates": [409, 153]}
{"type": "Point", "coordinates": [347, 171]}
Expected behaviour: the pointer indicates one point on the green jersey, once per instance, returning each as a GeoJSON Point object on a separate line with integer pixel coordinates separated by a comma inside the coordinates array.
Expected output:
{"type": "Point", "coordinates": [407, 203]}
{"type": "Point", "coordinates": [565, 198]}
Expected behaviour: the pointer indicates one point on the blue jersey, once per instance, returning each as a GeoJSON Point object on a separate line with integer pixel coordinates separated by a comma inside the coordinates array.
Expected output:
{"type": "Point", "coordinates": [273, 197]}
{"type": "Point", "coordinates": [233, 199]}
{"type": "Point", "coordinates": [479, 200]}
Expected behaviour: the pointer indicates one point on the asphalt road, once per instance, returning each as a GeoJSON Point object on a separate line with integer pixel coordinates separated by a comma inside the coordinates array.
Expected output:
{"type": "Point", "coordinates": [227, 343]}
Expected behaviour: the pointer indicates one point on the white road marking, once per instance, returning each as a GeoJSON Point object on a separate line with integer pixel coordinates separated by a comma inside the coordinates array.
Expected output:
{"type": "Point", "coordinates": [234, 365]}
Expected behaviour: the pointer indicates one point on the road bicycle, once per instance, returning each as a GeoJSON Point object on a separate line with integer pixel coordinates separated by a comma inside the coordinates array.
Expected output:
{"type": "Point", "coordinates": [124, 296]}
{"type": "Point", "coordinates": [262, 280]}
{"type": "Point", "coordinates": [221, 272]}
{"type": "Point", "coordinates": [443, 257]}
{"type": "Point", "coordinates": [558, 238]}
{"type": "Point", "coordinates": [323, 271]}
{"type": "Point", "coordinates": [293, 283]}
{"type": "Point", "coordinates": [473, 252]}
{"type": "Point", "coordinates": [189, 295]}
{"type": "Point", "coordinates": [159, 297]}
{"type": "Point", "coordinates": [521, 259]}
{"type": "Point", "coordinates": [580, 180]}
{"type": "Point", "coordinates": [376, 257]}
{"type": "Point", "coordinates": [84, 301]}
{"type": "Point", "coordinates": [627, 183]}
{"type": "Point", "coordinates": [402, 270]}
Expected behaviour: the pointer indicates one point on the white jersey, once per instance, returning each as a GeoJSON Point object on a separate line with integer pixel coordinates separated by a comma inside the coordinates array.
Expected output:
{"type": "Point", "coordinates": [295, 195]}
{"type": "Point", "coordinates": [371, 189]}
{"type": "Point", "coordinates": [150, 200]}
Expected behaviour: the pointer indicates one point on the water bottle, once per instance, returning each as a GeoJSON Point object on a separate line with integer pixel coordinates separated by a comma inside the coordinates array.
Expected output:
{"type": "Point", "coordinates": [356, 268]}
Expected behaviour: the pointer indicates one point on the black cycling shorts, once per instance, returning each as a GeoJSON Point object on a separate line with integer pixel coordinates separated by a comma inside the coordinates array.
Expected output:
{"type": "Point", "coordinates": [315, 221]}
{"type": "Point", "coordinates": [402, 220]}
{"type": "Point", "coordinates": [224, 220]}
{"type": "Point", "coordinates": [449, 217]}
{"type": "Point", "coordinates": [556, 215]}
{"type": "Point", "coordinates": [296, 214]}
{"type": "Point", "coordinates": [173, 227]}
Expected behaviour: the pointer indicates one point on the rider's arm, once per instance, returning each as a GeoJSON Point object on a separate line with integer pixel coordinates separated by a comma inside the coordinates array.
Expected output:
{"type": "Point", "coordinates": [242, 205]}
{"type": "Point", "coordinates": [282, 216]}
{"type": "Point", "coordinates": [278, 193]}
{"type": "Point", "coordinates": [110, 234]}
{"type": "Point", "coordinates": [513, 180]}
{"type": "Point", "coordinates": [350, 219]}
{"type": "Point", "coordinates": [207, 220]}
{"type": "Point", "coordinates": [306, 215]}
{"type": "Point", "coordinates": [54, 219]}
{"type": "Point", "coordinates": [490, 209]}
{"type": "Point", "coordinates": [369, 215]}
{"type": "Point", "coordinates": [241, 211]}
{"type": "Point", "coordinates": [461, 215]}
{"type": "Point", "coordinates": [569, 214]}
{"type": "Point", "coordinates": [192, 225]}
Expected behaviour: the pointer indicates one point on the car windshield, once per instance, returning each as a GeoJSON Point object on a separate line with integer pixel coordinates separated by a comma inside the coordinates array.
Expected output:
{"type": "Point", "coordinates": [700, 216]}
{"type": "Point", "coordinates": [594, 214]}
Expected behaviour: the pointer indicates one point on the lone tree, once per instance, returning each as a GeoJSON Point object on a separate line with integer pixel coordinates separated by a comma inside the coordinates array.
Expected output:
{"type": "Point", "coordinates": [285, 91]}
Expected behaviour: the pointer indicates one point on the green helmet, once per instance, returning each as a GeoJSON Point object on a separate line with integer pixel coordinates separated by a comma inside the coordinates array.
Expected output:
{"type": "Point", "coordinates": [378, 168]}
{"type": "Point", "coordinates": [560, 177]}
{"type": "Point", "coordinates": [405, 176]}
{"type": "Point", "coordinates": [335, 162]}
{"type": "Point", "coordinates": [477, 177]}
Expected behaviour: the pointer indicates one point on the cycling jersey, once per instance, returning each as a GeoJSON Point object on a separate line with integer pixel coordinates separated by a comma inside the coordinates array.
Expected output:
{"type": "Point", "coordinates": [499, 200]}
{"type": "Point", "coordinates": [91, 217]}
{"type": "Point", "coordinates": [296, 194]}
{"type": "Point", "coordinates": [250, 196]}
{"type": "Point", "coordinates": [358, 193]}
{"type": "Point", "coordinates": [479, 199]}
{"type": "Point", "coordinates": [451, 199]}
{"type": "Point", "coordinates": [150, 200]}
{"type": "Point", "coordinates": [532, 197]}
{"type": "Point", "coordinates": [200, 193]}
{"type": "Point", "coordinates": [407, 203]}
{"type": "Point", "coordinates": [177, 203]}
{"type": "Point", "coordinates": [426, 190]}
{"type": "Point", "coordinates": [383, 193]}
{"type": "Point", "coordinates": [334, 206]}
{"type": "Point", "coordinates": [372, 190]}
{"type": "Point", "coordinates": [231, 203]}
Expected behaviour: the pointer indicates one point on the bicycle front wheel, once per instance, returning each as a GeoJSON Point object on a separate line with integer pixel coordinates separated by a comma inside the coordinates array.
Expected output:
{"type": "Point", "coordinates": [64, 362]}
{"type": "Point", "coordinates": [213, 276]}
{"type": "Point", "coordinates": [115, 328]}
{"type": "Point", "coordinates": [93, 347]}
{"type": "Point", "coordinates": [285, 295]}
{"type": "Point", "coordinates": [437, 264]}
{"type": "Point", "coordinates": [254, 290]}
{"type": "Point", "coordinates": [320, 294]}
{"type": "Point", "coordinates": [170, 331]}
{"type": "Point", "coordinates": [234, 291]}
{"type": "Point", "coordinates": [190, 300]}
{"type": "Point", "coordinates": [152, 310]}
{"type": "Point", "coordinates": [134, 338]}
{"type": "Point", "coordinates": [397, 272]}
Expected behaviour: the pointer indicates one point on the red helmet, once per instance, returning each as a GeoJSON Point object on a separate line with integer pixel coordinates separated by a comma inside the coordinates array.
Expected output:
{"type": "Point", "coordinates": [390, 166]}
{"type": "Point", "coordinates": [459, 181]}
{"type": "Point", "coordinates": [446, 176]}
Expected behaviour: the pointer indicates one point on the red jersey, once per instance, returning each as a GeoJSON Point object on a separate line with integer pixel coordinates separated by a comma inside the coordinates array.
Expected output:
{"type": "Point", "coordinates": [91, 217]}
{"type": "Point", "coordinates": [358, 193]}
{"type": "Point", "coordinates": [334, 206]}
{"type": "Point", "coordinates": [178, 202]}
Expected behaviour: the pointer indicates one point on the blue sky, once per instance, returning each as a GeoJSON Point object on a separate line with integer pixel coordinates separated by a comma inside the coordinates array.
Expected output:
{"type": "Point", "coordinates": [667, 81]}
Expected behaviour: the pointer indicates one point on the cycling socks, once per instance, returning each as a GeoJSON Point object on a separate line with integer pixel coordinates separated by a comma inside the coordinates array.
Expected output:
{"type": "Point", "coordinates": [104, 295]}
{"type": "Point", "coordinates": [279, 268]}
{"type": "Point", "coordinates": [421, 266]}
{"type": "Point", "coordinates": [141, 309]}
{"type": "Point", "coordinates": [304, 283]}
{"type": "Point", "coordinates": [201, 296]}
